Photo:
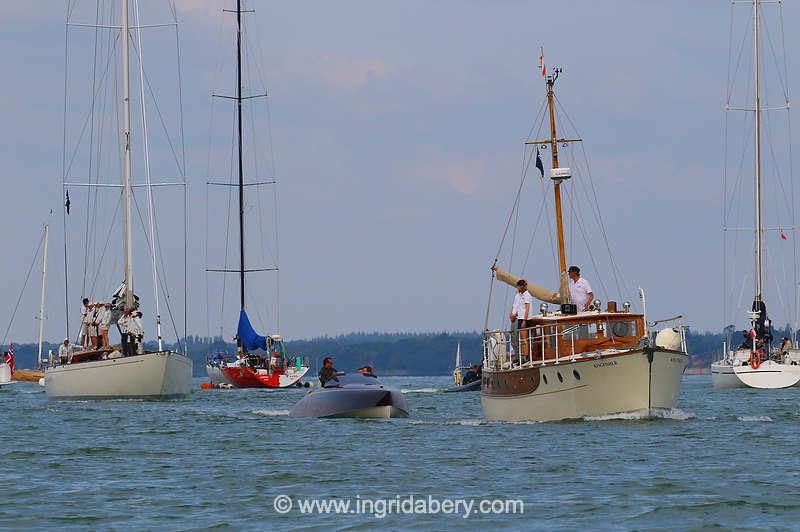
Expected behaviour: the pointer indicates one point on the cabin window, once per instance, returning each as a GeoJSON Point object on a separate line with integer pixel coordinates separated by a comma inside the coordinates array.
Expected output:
{"type": "Point", "coordinates": [585, 331]}
{"type": "Point", "coordinates": [623, 328]}
{"type": "Point", "coordinates": [552, 336]}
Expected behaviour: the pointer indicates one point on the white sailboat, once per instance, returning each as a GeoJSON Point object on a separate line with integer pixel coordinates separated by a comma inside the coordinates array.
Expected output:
{"type": "Point", "coordinates": [757, 362]}
{"type": "Point", "coordinates": [105, 373]}
{"type": "Point", "coordinates": [570, 363]}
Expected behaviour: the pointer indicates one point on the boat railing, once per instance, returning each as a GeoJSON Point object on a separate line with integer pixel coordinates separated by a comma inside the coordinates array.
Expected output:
{"type": "Point", "coordinates": [676, 322]}
{"type": "Point", "coordinates": [518, 347]}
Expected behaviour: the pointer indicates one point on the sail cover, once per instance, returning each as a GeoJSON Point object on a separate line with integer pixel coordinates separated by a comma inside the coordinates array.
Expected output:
{"type": "Point", "coordinates": [542, 294]}
{"type": "Point", "coordinates": [248, 336]}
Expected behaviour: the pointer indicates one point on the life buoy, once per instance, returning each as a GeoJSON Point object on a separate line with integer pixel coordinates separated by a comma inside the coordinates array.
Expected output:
{"type": "Point", "coordinates": [756, 358]}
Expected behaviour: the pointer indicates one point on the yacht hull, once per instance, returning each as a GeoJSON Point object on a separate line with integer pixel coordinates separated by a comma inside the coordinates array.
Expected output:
{"type": "Point", "coordinates": [630, 381]}
{"type": "Point", "coordinates": [723, 376]}
{"type": "Point", "coordinates": [365, 402]}
{"type": "Point", "coordinates": [769, 375]}
{"type": "Point", "coordinates": [216, 375]}
{"type": "Point", "coordinates": [241, 377]}
{"type": "Point", "coordinates": [160, 375]}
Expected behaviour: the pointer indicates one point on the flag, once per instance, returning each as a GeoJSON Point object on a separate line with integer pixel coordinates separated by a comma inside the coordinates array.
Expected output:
{"type": "Point", "coordinates": [783, 235]}
{"type": "Point", "coordinates": [539, 164]}
{"type": "Point", "coordinates": [9, 358]}
{"type": "Point", "coordinates": [541, 62]}
{"type": "Point", "coordinates": [67, 202]}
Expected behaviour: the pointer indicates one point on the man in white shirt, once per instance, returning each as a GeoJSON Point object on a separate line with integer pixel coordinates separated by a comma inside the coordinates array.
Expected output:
{"type": "Point", "coordinates": [125, 324]}
{"type": "Point", "coordinates": [83, 339]}
{"type": "Point", "coordinates": [521, 313]}
{"type": "Point", "coordinates": [65, 352]}
{"type": "Point", "coordinates": [104, 322]}
{"type": "Point", "coordinates": [580, 292]}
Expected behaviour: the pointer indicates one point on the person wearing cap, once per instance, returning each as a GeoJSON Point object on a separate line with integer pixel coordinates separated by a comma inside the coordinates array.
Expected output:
{"type": "Point", "coordinates": [65, 352]}
{"type": "Point", "coordinates": [125, 324]}
{"type": "Point", "coordinates": [137, 332]}
{"type": "Point", "coordinates": [580, 292]}
{"type": "Point", "coordinates": [521, 312]}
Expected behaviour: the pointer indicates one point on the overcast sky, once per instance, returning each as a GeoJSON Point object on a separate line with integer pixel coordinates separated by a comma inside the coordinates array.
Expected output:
{"type": "Point", "coordinates": [398, 132]}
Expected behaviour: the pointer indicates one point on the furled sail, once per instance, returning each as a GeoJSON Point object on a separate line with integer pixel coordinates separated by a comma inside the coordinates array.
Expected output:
{"type": "Point", "coordinates": [248, 336]}
{"type": "Point", "coordinates": [540, 293]}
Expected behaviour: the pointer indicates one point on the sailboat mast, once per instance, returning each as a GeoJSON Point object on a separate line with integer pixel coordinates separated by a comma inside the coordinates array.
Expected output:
{"type": "Point", "coordinates": [239, 123]}
{"type": "Point", "coordinates": [126, 141]}
{"type": "Point", "coordinates": [562, 255]}
{"type": "Point", "coordinates": [41, 300]}
{"type": "Point", "coordinates": [757, 110]}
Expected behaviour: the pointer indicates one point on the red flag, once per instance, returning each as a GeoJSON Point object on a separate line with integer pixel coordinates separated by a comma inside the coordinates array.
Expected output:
{"type": "Point", "coordinates": [541, 62]}
{"type": "Point", "coordinates": [783, 235]}
{"type": "Point", "coordinates": [10, 357]}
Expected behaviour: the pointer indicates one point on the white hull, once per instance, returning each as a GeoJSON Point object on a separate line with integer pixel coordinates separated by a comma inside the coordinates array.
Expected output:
{"type": "Point", "coordinates": [5, 374]}
{"type": "Point", "coordinates": [736, 372]}
{"type": "Point", "coordinates": [723, 376]}
{"type": "Point", "coordinates": [618, 383]}
{"type": "Point", "coordinates": [162, 375]}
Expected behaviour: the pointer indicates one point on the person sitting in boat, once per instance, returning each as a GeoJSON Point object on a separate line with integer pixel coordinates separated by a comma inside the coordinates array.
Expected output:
{"type": "Point", "coordinates": [366, 371]}
{"type": "Point", "coordinates": [786, 344]}
{"type": "Point", "coordinates": [580, 292]}
{"type": "Point", "coordinates": [327, 372]}
{"type": "Point", "coordinates": [471, 375]}
{"type": "Point", "coordinates": [65, 352]}
{"type": "Point", "coordinates": [747, 340]}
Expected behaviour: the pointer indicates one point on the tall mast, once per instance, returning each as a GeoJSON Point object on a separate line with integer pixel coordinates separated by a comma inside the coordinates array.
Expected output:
{"type": "Point", "coordinates": [41, 300]}
{"type": "Point", "coordinates": [562, 254]}
{"type": "Point", "coordinates": [239, 123]}
{"type": "Point", "coordinates": [757, 110]}
{"type": "Point", "coordinates": [126, 141]}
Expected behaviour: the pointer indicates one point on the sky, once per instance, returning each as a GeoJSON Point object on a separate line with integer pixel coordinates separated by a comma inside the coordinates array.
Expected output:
{"type": "Point", "coordinates": [397, 139]}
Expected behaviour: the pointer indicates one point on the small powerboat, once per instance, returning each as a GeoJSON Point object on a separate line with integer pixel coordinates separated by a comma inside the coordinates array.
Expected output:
{"type": "Point", "coordinates": [352, 395]}
{"type": "Point", "coordinates": [474, 386]}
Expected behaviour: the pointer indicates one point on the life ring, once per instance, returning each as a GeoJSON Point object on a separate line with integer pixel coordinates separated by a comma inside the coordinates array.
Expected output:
{"type": "Point", "coordinates": [756, 358]}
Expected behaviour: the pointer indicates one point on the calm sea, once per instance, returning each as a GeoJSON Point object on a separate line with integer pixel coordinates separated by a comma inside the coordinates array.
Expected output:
{"type": "Point", "coordinates": [220, 458]}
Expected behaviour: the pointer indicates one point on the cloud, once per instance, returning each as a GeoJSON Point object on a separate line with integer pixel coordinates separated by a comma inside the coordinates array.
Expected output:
{"type": "Point", "coordinates": [467, 175]}
{"type": "Point", "coordinates": [338, 71]}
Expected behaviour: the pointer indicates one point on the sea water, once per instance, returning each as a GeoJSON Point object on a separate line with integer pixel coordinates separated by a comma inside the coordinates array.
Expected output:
{"type": "Point", "coordinates": [234, 459]}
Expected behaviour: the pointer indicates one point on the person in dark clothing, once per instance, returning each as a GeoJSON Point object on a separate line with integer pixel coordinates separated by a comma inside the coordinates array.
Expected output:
{"type": "Point", "coordinates": [366, 371]}
{"type": "Point", "coordinates": [471, 375]}
{"type": "Point", "coordinates": [327, 372]}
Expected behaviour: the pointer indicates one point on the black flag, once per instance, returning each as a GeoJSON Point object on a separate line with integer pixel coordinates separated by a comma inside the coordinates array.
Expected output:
{"type": "Point", "coordinates": [67, 202]}
{"type": "Point", "coordinates": [539, 165]}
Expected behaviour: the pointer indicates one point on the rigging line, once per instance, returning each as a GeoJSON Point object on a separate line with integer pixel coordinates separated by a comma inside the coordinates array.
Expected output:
{"type": "Point", "coordinates": [62, 199]}
{"type": "Point", "coordinates": [183, 178]}
{"type": "Point", "coordinates": [74, 154]}
{"type": "Point", "coordinates": [89, 221]}
{"type": "Point", "coordinates": [782, 82]}
{"type": "Point", "coordinates": [105, 248]}
{"type": "Point", "coordinates": [229, 221]}
{"type": "Point", "coordinates": [535, 230]}
{"type": "Point", "coordinates": [24, 285]}
{"type": "Point", "coordinates": [161, 120]}
{"type": "Point", "coordinates": [739, 59]}
{"type": "Point", "coordinates": [776, 168]}
{"type": "Point", "coordinates": [517, 196]}
{"type": "Point", "coordinates": [615, 269]}
{"type": "Point", "coordinates": [577, 216]}
{"type": "Point", "coordinates": [159, 278]}
{"type": "Point", "coordinates": [148, 181]}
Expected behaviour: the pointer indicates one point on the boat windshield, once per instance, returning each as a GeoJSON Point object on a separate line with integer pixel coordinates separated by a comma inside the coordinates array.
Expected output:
{"type": "Point", "coordinates": [351, 378]}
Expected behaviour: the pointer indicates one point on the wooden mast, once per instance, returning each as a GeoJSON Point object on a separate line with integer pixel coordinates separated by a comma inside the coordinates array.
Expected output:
{"type": "Point", "coordinates": [553, 143]}
{"type": "Point", "coordinates": [562, 253]}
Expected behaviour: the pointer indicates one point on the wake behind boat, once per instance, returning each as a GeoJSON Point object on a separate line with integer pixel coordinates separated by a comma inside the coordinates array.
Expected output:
{"type": "Point", "coordinates": [352, 395]}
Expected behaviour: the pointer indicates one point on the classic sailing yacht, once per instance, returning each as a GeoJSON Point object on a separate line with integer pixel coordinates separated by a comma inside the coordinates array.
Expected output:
{"type": "Point", "coordinates": [274, 369]}
{"type": "Point", "coordinates": [573, 363]}
{"type": "Point", "coordinates": [104, 373]}
{"type": "Point", "coordinates": [757, 362]}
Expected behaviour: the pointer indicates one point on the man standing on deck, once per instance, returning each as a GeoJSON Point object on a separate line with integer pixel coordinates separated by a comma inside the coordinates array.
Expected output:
{"type": "Point", "coordinates": [521, 310]}
{"type": "Point", "coordinates": [580, 293]}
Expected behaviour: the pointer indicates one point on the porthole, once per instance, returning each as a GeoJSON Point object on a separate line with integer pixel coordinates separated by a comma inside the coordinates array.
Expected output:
{"type": "Point", "coordinates": [560, 378]}
{"type": "Point", "coordinates": [577, 375]}
{"type": "Point", "coordinates": [544, 378]}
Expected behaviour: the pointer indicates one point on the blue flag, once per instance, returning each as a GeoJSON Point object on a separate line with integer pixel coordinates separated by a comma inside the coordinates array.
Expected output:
{"type": "Point", "coordinates": [539, 164]}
